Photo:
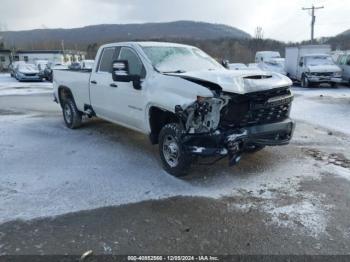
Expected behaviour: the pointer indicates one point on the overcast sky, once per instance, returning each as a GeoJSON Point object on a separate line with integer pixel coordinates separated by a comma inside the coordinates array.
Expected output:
{"type": "Point", "coordinates": [282, 20]}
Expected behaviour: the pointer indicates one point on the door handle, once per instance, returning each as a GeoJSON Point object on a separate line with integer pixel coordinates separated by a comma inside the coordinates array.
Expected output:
{"type": "Point", "coordinates": [113, 85]}
{"type": "Point", "coordinates": [93, 82]}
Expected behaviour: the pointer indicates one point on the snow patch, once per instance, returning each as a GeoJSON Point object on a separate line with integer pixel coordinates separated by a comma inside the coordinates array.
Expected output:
{"type": "Point", "coordinates": [10, 86]}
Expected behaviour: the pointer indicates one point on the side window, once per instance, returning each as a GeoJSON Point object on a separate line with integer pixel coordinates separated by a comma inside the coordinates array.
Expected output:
{"type": "Point", "coordinates": [348, 60]}
{"type": "Point", "coordinates": [342, 60]}
{"type": "Point", "coordinates": [106, 60]}
{"type": "Point", "coordinates": [135, 64]}
{"type": "Point", "coordinates": [301, 62]}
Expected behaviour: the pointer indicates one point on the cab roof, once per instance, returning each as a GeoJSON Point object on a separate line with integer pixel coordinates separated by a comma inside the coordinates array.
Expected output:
{"type": "Point", "coordinates": [146, 44]}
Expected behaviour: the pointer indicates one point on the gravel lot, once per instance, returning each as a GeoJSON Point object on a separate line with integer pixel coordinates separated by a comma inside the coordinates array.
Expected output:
{"type": "Point", "coordinates": [102, 187]}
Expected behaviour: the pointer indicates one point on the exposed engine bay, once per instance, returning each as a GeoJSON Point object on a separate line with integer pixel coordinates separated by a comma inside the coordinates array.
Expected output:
{"type": "Point", "coordinates": [228, 123]}
{"type": "Point", "coordinates": [227, 110]}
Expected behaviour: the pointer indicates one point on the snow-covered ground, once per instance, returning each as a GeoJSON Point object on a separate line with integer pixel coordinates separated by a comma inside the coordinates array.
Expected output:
{"type": "Point", "coordinates": [10, 86]}
{"type": "Point", "coordinates": [325, 107]}
{"type": "Point", "coordinates": [47, 169]}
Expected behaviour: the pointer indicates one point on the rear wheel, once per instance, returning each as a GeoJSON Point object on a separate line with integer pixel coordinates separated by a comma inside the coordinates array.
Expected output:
{"type": "Point", "coordinates": [174, 158]}
{"type": "Point", "coordinates": [71, 115]}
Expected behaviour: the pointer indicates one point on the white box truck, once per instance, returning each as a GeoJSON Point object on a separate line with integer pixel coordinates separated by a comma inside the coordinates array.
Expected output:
{"type": "Point", "coordinates": [312, 65]}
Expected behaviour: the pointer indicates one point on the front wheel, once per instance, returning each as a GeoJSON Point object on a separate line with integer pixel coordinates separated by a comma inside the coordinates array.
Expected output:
{"type": "Point", "coordinates": [174, 158]}
{"type": "Point", "coordinates": [254, 149]}
{"type": "Point", "coordinates": [305, 82]}
{"type": "Point", "coordinates": [71, 115]}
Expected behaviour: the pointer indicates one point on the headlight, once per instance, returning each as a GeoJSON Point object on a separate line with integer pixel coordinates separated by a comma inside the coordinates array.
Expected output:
{"type": "Point", "coordinates": [337, 74]}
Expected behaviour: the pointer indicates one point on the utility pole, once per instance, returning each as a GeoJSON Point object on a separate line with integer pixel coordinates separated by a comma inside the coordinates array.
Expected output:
{"type": "Point", "coordinates": [313, 18]}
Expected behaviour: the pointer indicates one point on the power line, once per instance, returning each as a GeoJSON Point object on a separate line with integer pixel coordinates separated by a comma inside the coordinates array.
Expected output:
{"type": "Point", "coordinates": [313, 18]}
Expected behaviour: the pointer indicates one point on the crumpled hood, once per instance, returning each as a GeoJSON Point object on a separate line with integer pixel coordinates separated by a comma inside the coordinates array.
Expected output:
{"type": "Point", "coordinates": [239, 81]}
{"type": "Point", "coordinates": [323, 68]}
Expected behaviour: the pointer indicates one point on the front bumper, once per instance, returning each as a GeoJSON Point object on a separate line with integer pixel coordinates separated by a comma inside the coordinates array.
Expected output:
{"type": "Point", "coordinates": [234, 142]}
{"type": "Point", "coordinates": [30, 78]}
{"type": "Point", "coordinates": [324, 79]}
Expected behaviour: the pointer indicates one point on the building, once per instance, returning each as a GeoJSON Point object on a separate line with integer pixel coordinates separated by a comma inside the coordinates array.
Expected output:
{"type": "Point", "coordinates": [54, 56]}
{"type": "Point", "coordinates": [5, 59]}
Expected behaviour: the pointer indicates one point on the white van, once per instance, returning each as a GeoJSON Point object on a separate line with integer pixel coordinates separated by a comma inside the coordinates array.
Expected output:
{"type": "Point", "coordinates": [270, 61]}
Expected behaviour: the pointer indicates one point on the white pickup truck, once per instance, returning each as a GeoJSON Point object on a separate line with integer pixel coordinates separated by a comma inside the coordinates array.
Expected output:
{"type": "Point", "coordinates": [182, 98]}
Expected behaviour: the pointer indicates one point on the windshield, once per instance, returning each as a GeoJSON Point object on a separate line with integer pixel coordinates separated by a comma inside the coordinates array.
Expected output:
{"type": "Point", "coordinates": [319, 60]}
{"type": "Point", "coordinates": [26, 67]}
{"type": "Point", "coordinates": [276, 62]}
{"type": "Point", "coordinates": [180, 59]}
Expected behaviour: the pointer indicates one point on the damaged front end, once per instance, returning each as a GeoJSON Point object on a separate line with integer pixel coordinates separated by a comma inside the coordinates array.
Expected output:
{"type": "Point", "coordinates": [229, 124]}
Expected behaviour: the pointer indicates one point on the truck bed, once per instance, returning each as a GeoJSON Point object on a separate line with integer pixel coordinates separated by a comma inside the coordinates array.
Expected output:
{"type": "Point", "coordinates": [78, 81]}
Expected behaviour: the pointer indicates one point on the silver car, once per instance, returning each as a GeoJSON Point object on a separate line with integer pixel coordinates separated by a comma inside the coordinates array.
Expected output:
{"type": "Point", "coordinates": [344, 63]}
{"type": "Point", "coordinates": [27, 72]}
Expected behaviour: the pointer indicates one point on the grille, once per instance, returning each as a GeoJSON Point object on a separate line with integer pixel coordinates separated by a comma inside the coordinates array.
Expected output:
{"type": "Point", "coordinates": [254, 109]}
{"type": "Point", "coordinates": [323, 74]}
{"type": "Point", "coordinates": [30, 74]}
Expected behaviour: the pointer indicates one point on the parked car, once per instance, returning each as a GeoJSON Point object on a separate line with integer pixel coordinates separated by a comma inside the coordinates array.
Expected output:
{"type": "Point", "coordinates": [12, 67]}
{"type": "Point", "coordinates": [41, 65]}
{"type": "Point", "coordinates": [237, 66]}
{"type": "Point", "coordinates": [87, 64]}
{"type": "Point", "coordinates": [253, 66]}
{"type": "Point", "coordinates": [182, 99]}
{"type": "Point", "coordinates": [27, 72]}
{"type": "Point", "coordinates": [48, 72]}
{"type": "Point", "coordinates": [312, 65]}
{"type": "Point", "coordinates": [344, 63]}
{"type": "Point", "coordinates": [270, 61]}
{"type": "Point", "coordinates": [75, 66]}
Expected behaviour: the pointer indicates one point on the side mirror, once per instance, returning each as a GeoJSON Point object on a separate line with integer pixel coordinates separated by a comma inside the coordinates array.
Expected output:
{"type": "Point", "coordinates": [226, 63]}
{"type": "Point", "coordinates": [120, 73]}
{"type": "Point", "coordinates": [301, 64]}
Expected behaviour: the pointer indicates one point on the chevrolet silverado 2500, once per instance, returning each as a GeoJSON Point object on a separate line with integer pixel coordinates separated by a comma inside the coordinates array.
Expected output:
{"type": "Point", "coordinates": [182, 98]}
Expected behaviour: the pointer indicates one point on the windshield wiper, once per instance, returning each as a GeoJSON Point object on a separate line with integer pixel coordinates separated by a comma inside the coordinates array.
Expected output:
{"type": "Point", "coordinates": [174, 72]}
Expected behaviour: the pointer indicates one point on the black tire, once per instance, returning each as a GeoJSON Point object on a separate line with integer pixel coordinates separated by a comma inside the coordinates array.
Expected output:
{"type": "Point", "coordinates": [176, 162]}
{"type": "Point", "coordinates": [253, 149]}
{"type": "Point", "coordinates": [305, 82]}
{"type": "Point", "coordinates": [71, 115]}
{"type": "Point", "coordinates": [334, 85]}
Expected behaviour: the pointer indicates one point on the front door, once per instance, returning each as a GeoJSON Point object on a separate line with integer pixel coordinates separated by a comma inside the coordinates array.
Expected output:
{"type": "Point", "coordinates": [346, 69]}
{"type": "Point", "coordinates": [131, 101]}
{"type": "Point", "coordinates": [103, 95]}
{"type": "Point", "coordinates": [301, 67]}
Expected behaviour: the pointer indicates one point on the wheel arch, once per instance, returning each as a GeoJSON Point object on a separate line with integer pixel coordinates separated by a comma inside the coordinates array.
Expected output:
{"type": "Point", "coordinates": [157, 118]}
{"type": "Point", "coordinates": [64, 92]}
